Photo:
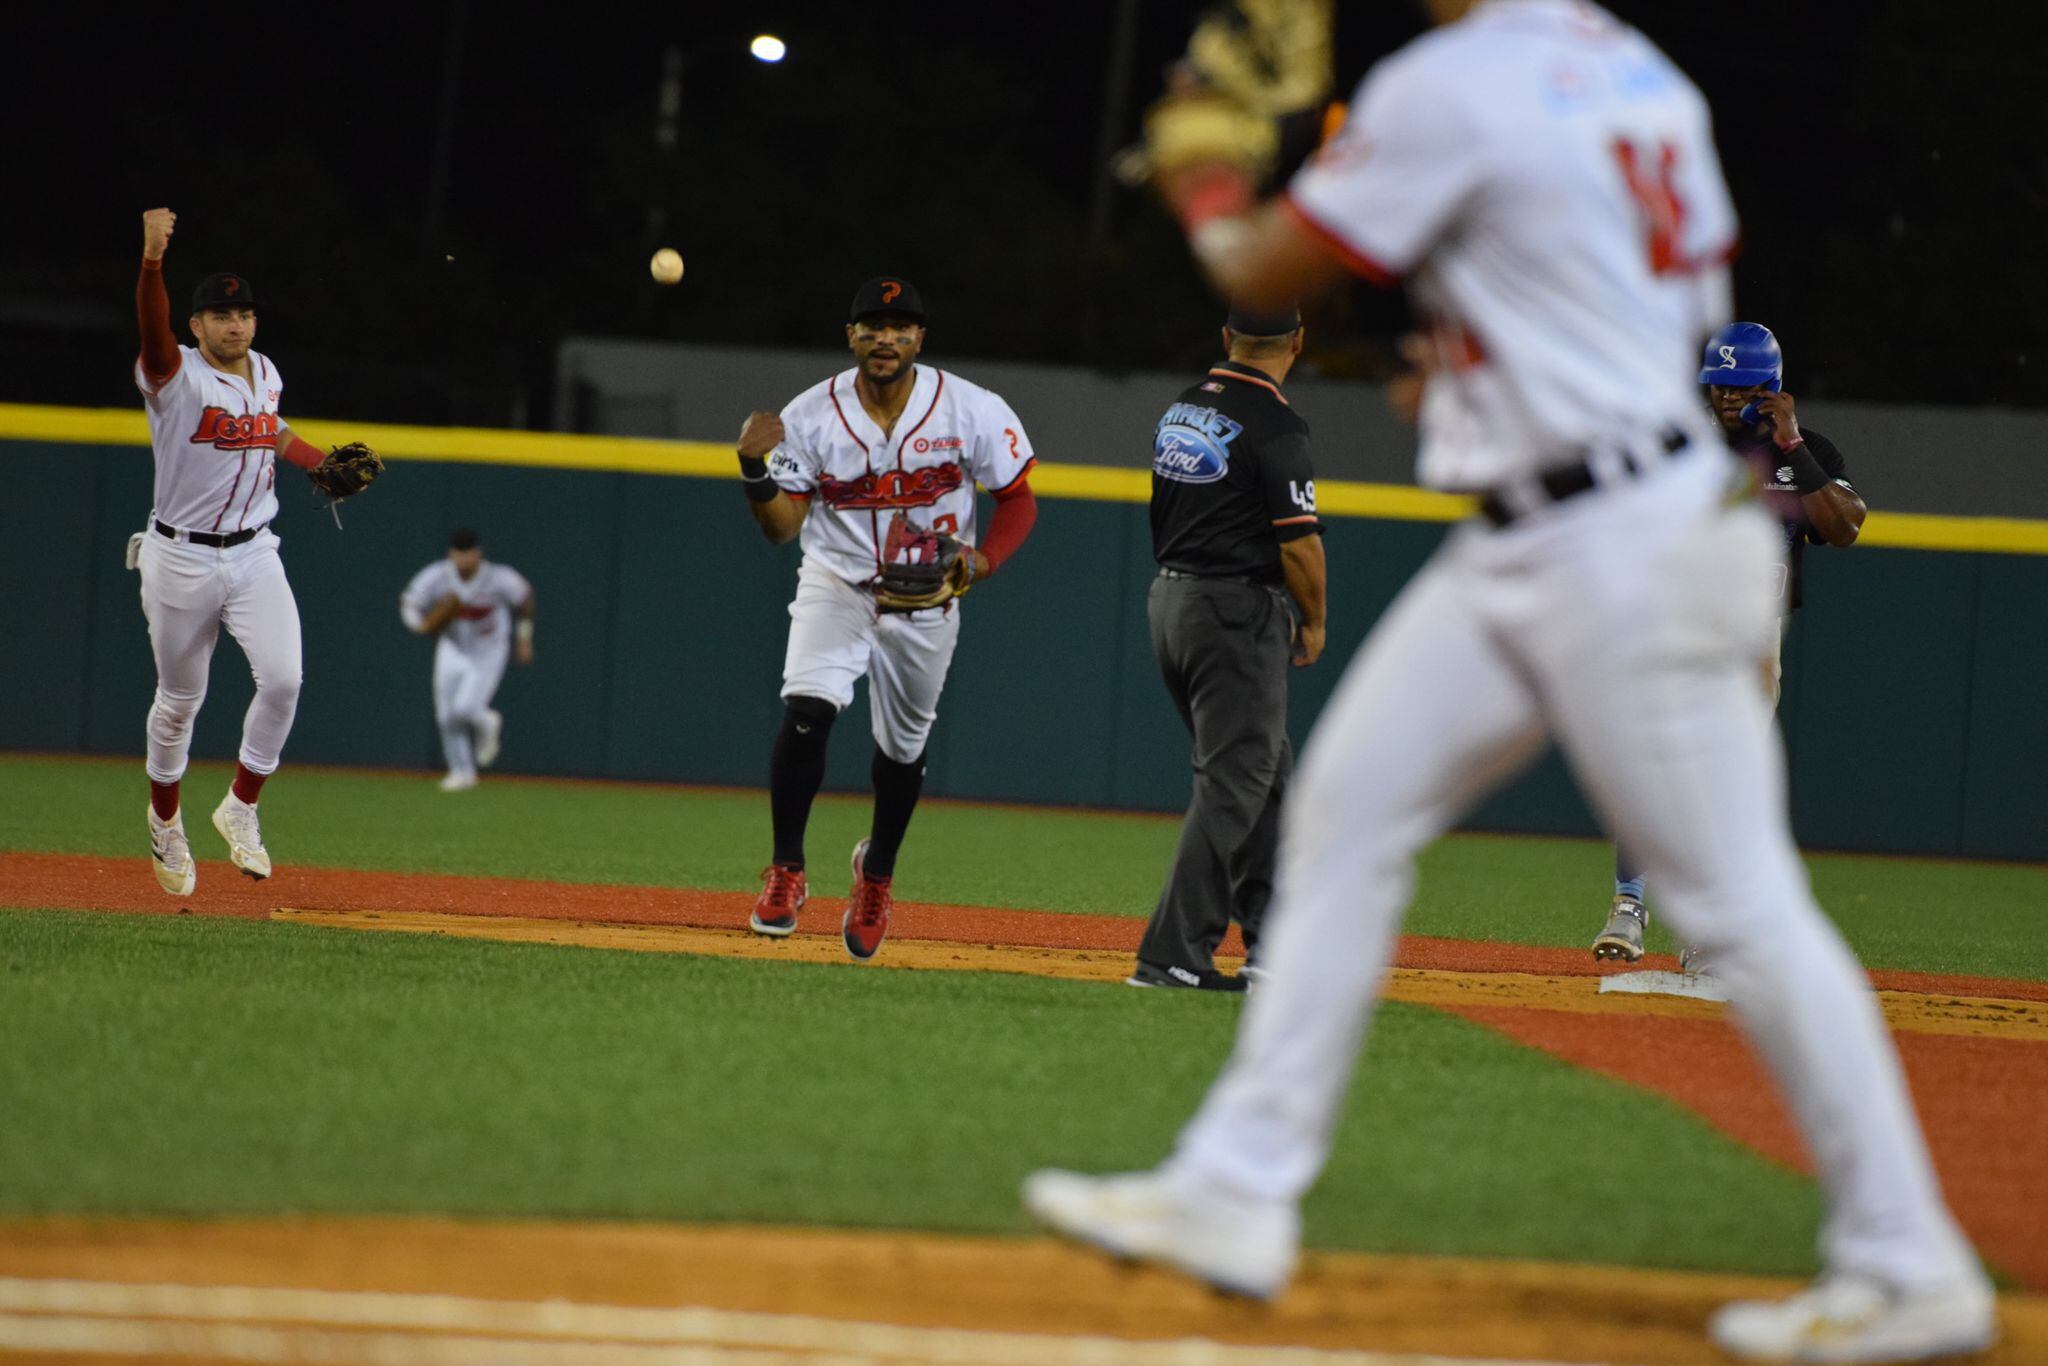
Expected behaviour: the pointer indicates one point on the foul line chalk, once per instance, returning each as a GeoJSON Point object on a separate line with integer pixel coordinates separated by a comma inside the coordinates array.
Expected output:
{"type": "Point", "coordinates": [246, 1323]}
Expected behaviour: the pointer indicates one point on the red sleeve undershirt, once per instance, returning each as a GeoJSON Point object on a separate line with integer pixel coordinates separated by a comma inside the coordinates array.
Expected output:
{"type": "Point", "coordinates": [304, 454]}
{"type": "Point", "coordinates": [1016, 510]}
{"type": "Point", "coordinates": [160, 355]}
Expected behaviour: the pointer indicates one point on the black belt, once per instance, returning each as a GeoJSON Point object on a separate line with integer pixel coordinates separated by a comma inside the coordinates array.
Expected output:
{"type": "Point", "coordinates": [1498, 505]}
{"type": "Point", "coordinates": [218, 540]}
{"type": "Point", "coordinates": [1166, 572]}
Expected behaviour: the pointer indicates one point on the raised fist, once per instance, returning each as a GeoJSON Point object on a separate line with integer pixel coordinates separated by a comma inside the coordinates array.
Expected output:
{"type": "Point", "coordinates": [762, 434]}
{"type": "Point", "coordinates": [157, 227]}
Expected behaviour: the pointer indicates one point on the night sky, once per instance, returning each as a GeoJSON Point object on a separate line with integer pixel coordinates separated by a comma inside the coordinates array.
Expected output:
{"type": "Point", "coordinates": [1888, 165]}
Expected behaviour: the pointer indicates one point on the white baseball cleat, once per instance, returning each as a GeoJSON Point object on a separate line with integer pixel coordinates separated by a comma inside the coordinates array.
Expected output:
{"type": "Point", "coordinates": [458, 782]}
{"type": "Point", "coordinates": [1852, 1318]}
{"type": "Point", "coordinates": [1237, 1246]}
{"type": "Point", "coordinates": [170, 854]}
{"type": "Point", "coordinates": [490, 733]}
{"type": "Point", "coordinates": [1621, 938]}
{"type": "Point", "coordinates": [236, 821]}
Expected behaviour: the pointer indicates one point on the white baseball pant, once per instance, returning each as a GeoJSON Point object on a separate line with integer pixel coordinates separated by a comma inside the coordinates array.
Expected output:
{"type": "Point", "coordinates": [188, 592]}
{"type": "Point", "coordinates": [836, 636]}
{"type": "Point", "coordinates": [464, 683]}
{"type": "Point", "coordinates": [1623, 625]}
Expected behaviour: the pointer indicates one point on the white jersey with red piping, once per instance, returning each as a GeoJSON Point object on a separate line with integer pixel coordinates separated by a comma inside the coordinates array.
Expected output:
{"type": "Point", "coordinates": [952, 435]}
{"type": "Point", "coordinates": [1547, 179]}
{"type": "Point", "coordinates": [488, 598]}
{"type": "Point", "coordinates": [215, 439]}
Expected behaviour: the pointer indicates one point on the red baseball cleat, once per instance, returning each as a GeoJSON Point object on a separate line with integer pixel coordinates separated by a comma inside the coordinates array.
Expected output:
{"type": "Point", "coordinates": [867, 910]}
{"type": "Point", "coordinates": [783, 893]}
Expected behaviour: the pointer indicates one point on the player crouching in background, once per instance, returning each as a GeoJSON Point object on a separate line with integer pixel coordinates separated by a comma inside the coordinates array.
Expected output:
{"type": "Point", "coordinates": [469, 601]}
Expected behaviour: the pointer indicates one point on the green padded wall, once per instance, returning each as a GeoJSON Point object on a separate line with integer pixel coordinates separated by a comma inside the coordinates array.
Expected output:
{"type": "Point", "coordinates": [1912, 708]}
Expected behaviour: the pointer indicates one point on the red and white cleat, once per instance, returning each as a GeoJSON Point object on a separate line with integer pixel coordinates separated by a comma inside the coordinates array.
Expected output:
{"type": "Point", "coordinates": [867, 909]}
{"type": "Point", "coordinates": [783, 893]}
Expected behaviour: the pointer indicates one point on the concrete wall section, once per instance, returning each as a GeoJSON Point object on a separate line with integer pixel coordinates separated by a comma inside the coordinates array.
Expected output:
{"type": "Point", "coordinates": [1958, 462]}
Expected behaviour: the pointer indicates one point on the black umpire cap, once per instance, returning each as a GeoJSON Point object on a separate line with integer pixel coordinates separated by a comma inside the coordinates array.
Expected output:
{"type": "Point", "coordinates": [223, 290]}
{"type": "Point", "coordinates": [887, 294]}
{"type": "Point", "coordinates": [1275, 322]}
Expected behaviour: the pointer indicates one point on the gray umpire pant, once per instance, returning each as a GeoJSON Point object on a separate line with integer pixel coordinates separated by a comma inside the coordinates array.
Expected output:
{"type": "Point", "coordinates": [1223, 647]}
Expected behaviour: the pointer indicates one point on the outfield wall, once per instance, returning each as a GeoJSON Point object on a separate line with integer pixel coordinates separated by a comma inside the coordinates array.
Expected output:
{"type": "Point", "coordinates": [1912, 704]}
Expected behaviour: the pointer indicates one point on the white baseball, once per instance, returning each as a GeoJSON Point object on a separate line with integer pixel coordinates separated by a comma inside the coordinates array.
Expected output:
{"type": "Point", "coordinates": [667, 266]}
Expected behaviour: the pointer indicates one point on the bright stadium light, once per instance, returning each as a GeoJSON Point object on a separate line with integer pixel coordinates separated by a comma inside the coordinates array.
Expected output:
{"type": "Point", "coordinates": [768, 48]}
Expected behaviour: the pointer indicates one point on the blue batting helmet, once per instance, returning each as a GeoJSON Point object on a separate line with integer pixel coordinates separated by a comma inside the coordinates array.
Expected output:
{"type": "Point", "coordinates": [1742, 354]}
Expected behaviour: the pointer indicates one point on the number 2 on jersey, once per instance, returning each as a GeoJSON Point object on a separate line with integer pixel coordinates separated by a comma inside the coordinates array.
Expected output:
{"type": "Point", "coordinates": [1648, 174]}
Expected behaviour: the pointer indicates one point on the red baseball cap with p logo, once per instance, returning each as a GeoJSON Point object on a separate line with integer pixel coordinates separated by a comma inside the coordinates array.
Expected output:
{"type": "Point", "coordinates": [890, 294]}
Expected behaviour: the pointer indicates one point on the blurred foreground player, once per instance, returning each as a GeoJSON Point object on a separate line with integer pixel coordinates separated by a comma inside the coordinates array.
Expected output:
{"type": "Point", "coordinates": [1547, 180]}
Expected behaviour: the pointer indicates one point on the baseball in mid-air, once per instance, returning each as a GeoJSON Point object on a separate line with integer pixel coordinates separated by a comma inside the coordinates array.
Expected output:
{"type": "Point", "coordinates": [667, 266]}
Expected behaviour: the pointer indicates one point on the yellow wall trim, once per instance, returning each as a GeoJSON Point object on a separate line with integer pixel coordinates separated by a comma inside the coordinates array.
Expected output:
{"type": "Point", "coordinates": [714, 460]}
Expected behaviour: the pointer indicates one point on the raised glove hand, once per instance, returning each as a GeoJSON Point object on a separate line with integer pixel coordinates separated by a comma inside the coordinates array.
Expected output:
{"type": "Point", "coordinates": [346, 471]}
{"type": "Point", "coordinates": [1250, 64]}
{"type": "Point", "coordinates": [921, 568]}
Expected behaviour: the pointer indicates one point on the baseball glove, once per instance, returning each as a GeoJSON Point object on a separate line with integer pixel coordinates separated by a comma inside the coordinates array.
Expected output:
{"type": "Point", "coordinates": [921, 568]}
{"type": "Point", "coordinates": [346, 471]}
{"type": "Point", "coordinates": [1250, 65]}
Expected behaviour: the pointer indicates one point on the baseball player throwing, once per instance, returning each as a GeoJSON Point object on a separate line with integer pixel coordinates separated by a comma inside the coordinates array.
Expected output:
{"type": "Point", "coordinates": [875, 468]}
{"type": "Point", "coordinates": [208, 556]}
{"type": "Point", "coordinates": [1804, 481]}
{"type": "Point", "coordinates": [1546, 179]}
{"type": "Point", "coordinates": [469, 603]}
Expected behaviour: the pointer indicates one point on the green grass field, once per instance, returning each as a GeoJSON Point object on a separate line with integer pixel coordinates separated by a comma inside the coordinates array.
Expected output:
{"type": "Point", "coordinates": [184, 1064]}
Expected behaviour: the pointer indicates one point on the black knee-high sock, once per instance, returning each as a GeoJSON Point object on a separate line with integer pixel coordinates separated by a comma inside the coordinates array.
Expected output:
{"type": "Point", "coordinates": [796, 770]}
{"type": "Point", "coordinates": [896, 789]}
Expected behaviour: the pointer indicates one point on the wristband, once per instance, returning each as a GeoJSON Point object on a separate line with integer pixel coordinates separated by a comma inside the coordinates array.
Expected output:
{"type": "Point", "coordinates": [523, 628]}
{"type": "Point", "coordinates": [1219, 241]}
{"type": "Point", "coordinates": [754, 474]}
{"type": "Point", "coordinates": [1807, 475]}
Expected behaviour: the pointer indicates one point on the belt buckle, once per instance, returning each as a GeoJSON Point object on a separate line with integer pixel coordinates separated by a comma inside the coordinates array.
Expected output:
{"type": "Point", "coordinates": [1520, 496]}
{"type": "Point", "coordinates": [1611, 465]}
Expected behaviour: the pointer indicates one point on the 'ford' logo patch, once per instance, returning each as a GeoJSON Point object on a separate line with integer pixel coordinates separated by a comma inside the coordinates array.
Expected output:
{"type": "Point", "coordinates": [1188, 456]}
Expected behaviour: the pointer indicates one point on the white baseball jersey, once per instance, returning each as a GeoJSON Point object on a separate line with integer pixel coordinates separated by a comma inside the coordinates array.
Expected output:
{"type": "Point", "coordinates": [951, 436]}
{"type": "Point", "coordinates": [484, 620]}
{"type": "Point", "coordinates": [1549, 176]}
{"type": "Point", "coordinates": [1549, 179]}
{"type": "Point", "coordinates": [215, 438]}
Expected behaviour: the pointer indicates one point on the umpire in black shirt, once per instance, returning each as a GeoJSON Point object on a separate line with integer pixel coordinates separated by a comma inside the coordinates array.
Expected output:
{"type": "Point", "coordinates": [1238, 597]}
